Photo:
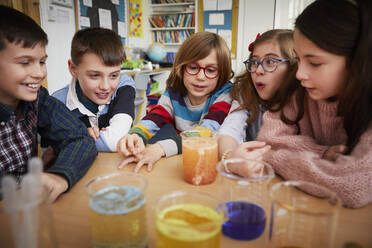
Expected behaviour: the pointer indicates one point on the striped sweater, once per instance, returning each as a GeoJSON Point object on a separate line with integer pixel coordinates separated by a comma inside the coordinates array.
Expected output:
{"type": "Point", "coordinates": [178, 111]}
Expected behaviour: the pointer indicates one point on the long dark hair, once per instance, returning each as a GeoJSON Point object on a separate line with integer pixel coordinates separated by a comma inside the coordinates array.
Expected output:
{"type": "Point", "coordinates": [344, 28]}
{"type": "Point", "coordinates": [243, 89]}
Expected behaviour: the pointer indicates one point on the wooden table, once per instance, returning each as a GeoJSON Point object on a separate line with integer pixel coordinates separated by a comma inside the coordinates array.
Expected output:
{"type": "Point", "coordinates": [71, 215]}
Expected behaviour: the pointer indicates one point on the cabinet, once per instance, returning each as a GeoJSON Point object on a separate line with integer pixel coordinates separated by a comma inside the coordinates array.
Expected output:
{"type": "Point", "coordinates": [172, 21]}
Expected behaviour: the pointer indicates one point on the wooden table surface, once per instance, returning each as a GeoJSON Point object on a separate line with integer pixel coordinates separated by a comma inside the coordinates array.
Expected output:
{"type": "Point", "coordinates": [71, 210]}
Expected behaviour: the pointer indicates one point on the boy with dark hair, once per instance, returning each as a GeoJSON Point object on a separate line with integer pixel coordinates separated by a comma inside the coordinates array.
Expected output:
{"type": "Point", "coordinates": [26, 109]}
{"type": "Point", "coordinates": [98, 94]}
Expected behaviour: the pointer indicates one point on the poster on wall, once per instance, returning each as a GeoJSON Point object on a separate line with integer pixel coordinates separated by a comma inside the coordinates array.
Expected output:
{"type": "Point", "coordinates": [219, 16]}
{"type": "Point", "coordinates": [105, 14]}
{"type": "Point", "coordinates": [135, 18]}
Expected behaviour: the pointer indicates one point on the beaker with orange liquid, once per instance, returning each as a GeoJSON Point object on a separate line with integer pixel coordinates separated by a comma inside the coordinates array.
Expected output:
{"type": "Point", "coordinates": [189, 219]}
{"type": "Point", "coordinates": [199, 156]}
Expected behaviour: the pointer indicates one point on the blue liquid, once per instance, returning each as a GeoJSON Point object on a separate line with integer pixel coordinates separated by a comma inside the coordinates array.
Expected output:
{"type": "Point", "coordinates": [246, 221]}
{"type": "Point", "coordinates": [117, 200]}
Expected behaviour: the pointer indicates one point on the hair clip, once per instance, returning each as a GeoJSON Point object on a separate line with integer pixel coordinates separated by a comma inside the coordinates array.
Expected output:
{"type": "Point", "coordinates": [250, 47]}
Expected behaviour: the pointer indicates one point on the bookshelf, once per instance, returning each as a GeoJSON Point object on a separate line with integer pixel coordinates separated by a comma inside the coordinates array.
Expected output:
{"type": "Point", "coordinates": [172, 21]}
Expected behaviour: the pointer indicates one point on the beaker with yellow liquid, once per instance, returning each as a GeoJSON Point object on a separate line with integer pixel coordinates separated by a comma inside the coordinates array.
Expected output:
{"type": "Point", "coordinates": [187, 219]}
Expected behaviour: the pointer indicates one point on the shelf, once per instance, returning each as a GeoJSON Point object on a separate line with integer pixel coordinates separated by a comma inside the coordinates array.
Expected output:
{"type": "Point", "coordinates": [172, 44]}
{"type": "Point", "coordinates": [180, 28]}
{"type": "Point", "coordinates": [171, 4]}
{"type": "Point", "coordinates": [172, 23]}
{"type": "Point", "coordinates": [176, 12]}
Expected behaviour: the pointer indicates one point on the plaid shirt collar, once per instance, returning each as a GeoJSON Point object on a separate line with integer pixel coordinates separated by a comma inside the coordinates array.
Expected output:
{"type": "Point", "coordinates": [6, 112]}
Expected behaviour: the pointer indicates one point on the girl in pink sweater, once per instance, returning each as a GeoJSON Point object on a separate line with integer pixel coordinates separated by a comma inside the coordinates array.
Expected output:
{"type": "Point", "coordinates": [324, 133]}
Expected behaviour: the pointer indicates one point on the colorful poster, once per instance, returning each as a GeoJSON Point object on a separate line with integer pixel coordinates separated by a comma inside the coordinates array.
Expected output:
{"type": "Point", "coordinates": [135, 18]}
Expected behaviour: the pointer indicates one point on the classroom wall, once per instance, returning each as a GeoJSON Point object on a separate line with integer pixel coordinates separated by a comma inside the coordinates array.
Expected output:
{"type": "Point", "coordinates": [60, 33]}
{"type": "Point", "coordinates": [254, 16]}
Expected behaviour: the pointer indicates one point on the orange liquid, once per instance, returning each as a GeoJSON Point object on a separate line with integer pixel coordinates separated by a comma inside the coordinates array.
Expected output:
{"type": "Point", "coordinates": [188, 226]}
{"type": "Point", "coordinates": [199, 160]}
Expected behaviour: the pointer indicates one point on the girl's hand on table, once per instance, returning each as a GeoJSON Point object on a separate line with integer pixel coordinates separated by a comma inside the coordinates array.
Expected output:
{"type": "Point", "coordinates": [247, 169]}
{"type": "Point", "coordinates": [252, 150]}
{"type": "Point", "coordinates": [131, 144]}
{"type": "Point", "coordinates": [149, 156]}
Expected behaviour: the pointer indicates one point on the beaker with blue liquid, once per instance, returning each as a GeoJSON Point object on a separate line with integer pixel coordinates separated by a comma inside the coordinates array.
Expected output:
{"type": "Point", "coordinates": [118, 210]}
{"type": "Point", "coordinates": [247, 201]}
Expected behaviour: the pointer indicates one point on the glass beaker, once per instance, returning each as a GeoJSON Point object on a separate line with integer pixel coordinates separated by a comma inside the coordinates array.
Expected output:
{"type": "Point", "coordinates": [300, 220]}
{"type": "Point", "coordinates": [199, 156]}
{"type": "Point", "coordinates": [188, 219]}
{"type": "Point", "coordinates": [117, 210]}
{"type": "Point", "coordinates": [28, 225]}
{"type": "Point", "coordinates": [247, 201]}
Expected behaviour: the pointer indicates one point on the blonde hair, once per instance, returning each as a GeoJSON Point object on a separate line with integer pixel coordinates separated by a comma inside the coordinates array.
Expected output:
{"type": "Point", "coordinates": [194, 48]}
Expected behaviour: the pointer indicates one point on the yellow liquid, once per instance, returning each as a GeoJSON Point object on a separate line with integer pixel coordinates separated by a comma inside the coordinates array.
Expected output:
{"type": "Point", "coordinates": [117, 222]}
{"type": "Point", "coordinates": [188, 225]}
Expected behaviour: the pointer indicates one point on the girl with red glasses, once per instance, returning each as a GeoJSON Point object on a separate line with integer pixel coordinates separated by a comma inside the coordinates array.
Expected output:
{"type": "Point", "coordinates": [197, 94]}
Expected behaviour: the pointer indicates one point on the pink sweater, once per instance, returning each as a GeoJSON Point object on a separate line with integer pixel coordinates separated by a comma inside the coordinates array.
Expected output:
{"type": "Point", "coordinates": [299, 157]}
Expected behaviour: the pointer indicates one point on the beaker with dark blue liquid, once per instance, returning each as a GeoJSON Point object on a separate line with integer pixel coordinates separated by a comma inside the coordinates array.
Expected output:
{"type": "Point", "coordinates": [247, 201]}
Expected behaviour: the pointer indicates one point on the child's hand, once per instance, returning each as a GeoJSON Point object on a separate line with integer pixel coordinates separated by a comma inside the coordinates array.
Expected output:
{"type": "Point", "coordinates": [253, 150]}
{"type": "Point", "coordinates": [130, 144]}
{"type": "Point", "coordinates": [333, 152]}
{"type": "Point", "coordinates": [94, 132]}
{"type": "Point", "coordinates": [149, 156]}
{"type": "Point", "coordinates": [247, 169]}
{"type": "Point", "coordinates": [54, 184]}
{"type": "Point", "coordinates": [48, 157]}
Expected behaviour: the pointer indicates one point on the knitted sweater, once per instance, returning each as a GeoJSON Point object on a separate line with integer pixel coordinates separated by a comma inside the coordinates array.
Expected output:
{"type": "Point", "coordinates": [299, 157]}
{"type": "Point", "coordinates": [178, 111]}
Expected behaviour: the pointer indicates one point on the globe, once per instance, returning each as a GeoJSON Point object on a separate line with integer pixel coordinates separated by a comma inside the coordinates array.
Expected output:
{"type": "Point", "coordinates": [157, 52]}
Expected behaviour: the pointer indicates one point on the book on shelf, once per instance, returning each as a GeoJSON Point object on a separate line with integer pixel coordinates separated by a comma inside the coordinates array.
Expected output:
{"type": "Point", "coordinates": [171, 1]}
{"type": "Point", "coordinates": [171, 36]}
{"type": "Point", "coordinates": [172, 21]}
{"type": "Point", "coordinates": [171, 56]}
